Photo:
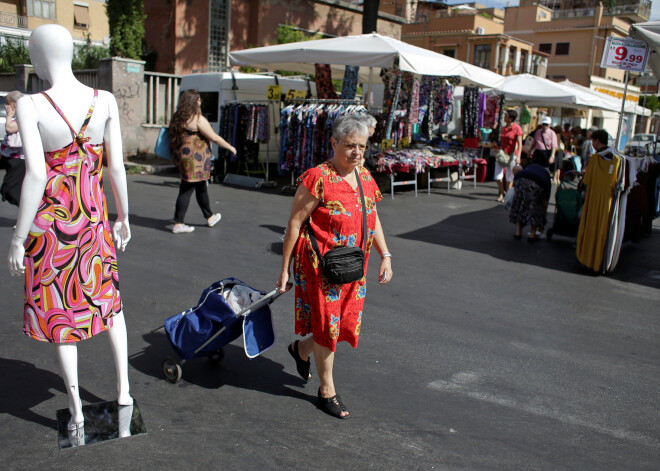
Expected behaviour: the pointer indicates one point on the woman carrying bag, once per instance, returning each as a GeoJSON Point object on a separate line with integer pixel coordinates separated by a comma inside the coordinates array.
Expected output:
{"type": "Point", "coordinates": [329, 207]}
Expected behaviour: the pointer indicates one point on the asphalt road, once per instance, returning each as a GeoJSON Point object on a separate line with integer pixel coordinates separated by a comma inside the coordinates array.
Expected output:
{"type": "Point", "coordinates": [483, 353]}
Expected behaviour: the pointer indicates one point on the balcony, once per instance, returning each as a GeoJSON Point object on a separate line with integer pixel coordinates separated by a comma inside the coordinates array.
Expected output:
{"type": "Point", "coordinates": [13, 20]}
{"type": "Point", "coordinates": [637, 13]}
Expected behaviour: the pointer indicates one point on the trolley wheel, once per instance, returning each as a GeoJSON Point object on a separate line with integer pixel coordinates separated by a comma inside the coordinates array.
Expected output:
{"type": "Point", "coordinates": [171, 370]}
{"type": "Point", "coordinates": [549, 233]}
{"type": "Point", "coordinates": [216, 357]}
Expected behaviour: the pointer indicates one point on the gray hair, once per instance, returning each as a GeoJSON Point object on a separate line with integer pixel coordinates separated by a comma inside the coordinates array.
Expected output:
{"type": "Point", "coordinates": [369, 120]}
{"type": "Point", "coordinates": [347, 125]}
{"type": "Point", "coordinates": [13, 97]}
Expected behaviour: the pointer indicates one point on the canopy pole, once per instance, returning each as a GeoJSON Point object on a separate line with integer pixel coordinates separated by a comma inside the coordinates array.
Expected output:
{"type": "Point", "coordinates": [623, 104]}
{"type": "Point", "coordinates": [368, 95]}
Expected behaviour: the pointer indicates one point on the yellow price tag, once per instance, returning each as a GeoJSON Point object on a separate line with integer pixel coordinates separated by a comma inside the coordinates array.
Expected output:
{"type": "Point", "coordinates": [404, 142]}
{"type": "Point", "coordinates": [296, 94]}
{"type": "Point", "coordinates": [274, 92]}
{"type": "Point", "coordinates": [386, 144]}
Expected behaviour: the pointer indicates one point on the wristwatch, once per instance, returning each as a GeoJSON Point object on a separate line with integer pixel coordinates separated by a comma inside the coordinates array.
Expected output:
{"type": "Point", "coordinates": [386, 254]}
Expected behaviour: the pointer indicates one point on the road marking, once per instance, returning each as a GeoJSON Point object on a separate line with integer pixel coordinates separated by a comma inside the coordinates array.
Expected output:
{"type": "Point", "coordinates": [461, 383]}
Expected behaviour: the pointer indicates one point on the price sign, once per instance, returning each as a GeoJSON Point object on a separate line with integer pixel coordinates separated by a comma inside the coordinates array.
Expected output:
{"type": "Point", "coordinates": [386, 144]}
{"type": "Point", "coordinates": [274, 92]}
{"type": "Point", "coordinates": [404, 142]}
{"type": "Point", "coordinates": [293, 94]}
{"type": "Point", "coordinates": [626, 54]}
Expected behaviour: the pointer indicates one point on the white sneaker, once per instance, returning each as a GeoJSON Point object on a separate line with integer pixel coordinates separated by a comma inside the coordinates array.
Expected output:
{"type": "Point", "coordinates": [213, 220]}
{"type": "Point", "coordinates": [182, 229]}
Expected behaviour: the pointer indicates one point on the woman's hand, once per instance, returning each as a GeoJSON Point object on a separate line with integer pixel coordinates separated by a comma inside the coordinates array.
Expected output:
{"type": "Point", "coordinates": [121, 232]}
{"type": "Point", "coordinates": [11, 111]}
{"type": "Point", "coordinates": [283, 282]}
{"type": "Point", "coordinates": [385, 272]}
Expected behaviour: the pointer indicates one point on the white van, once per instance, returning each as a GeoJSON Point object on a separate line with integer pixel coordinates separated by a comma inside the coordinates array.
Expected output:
{"type": "Point", "coordinates": [219, 88]}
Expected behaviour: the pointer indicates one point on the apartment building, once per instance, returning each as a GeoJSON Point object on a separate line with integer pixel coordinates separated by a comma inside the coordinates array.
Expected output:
{"type": "Point", "coordinates": [469, 32]}
{"type": "Point", "coordinates": [197, 35]}
{"type": "Point", "coordinates": [19, 17]}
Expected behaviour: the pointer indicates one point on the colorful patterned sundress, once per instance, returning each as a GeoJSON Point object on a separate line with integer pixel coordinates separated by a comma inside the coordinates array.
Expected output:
{"type": "Point", "coordinates": [333, 313]}
{"type": "Point", "coordinates": [71, 283]}
{"type": "Point", "coordinates": [193, 158]}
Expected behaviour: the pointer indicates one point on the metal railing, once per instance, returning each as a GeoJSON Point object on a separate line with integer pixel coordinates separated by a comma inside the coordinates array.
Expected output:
{"type": "Point", "coordinates": [162, 96]}
{"type": "Point", "coordinates": [13, 20]}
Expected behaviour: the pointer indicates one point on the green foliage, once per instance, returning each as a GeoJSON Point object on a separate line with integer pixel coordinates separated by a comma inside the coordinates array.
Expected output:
{"type": "Point", "coordinates": [12, 53]}
{"type": "Point", "coordinates": [88, 56]}
{"type": "Point", "coordinates": [289, 34]}
{"type": "Point", "coordinates": [649, 101]}
{"type": "Point", "coordinates": [126, 20]}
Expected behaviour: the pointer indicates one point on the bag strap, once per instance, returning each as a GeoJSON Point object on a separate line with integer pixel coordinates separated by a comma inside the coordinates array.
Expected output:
{"type": "Point", "coordinates": [312, 239]}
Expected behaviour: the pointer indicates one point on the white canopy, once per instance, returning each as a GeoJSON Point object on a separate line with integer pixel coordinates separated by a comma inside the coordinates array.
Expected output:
{"type": "Point", "coordinates": [533, 90]}
{"type": "Point", "coordinates": [649, 32]}
{"type": "Point", "coordinates": [367, 50]}
{"type": "Point", "coordinates": [615, 103]}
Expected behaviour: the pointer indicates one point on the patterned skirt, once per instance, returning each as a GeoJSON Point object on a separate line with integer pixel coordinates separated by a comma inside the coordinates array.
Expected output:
{"type": "Point", "coordinates": [528, 205]}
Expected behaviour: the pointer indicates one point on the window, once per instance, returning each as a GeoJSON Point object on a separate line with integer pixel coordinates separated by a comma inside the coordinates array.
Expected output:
{"type": "Point", "coordinates": [449, 53]}
{"type": "Point", "coordinates": [482, 55]}
{"type": "Point", "coordinates": [561, 49]}
{"type": "Point", "coordinates": [81, 16]}
{"type": "Point", "coordinates": [41, 8]}
{"type": "Point", "coordinates": [545, 47]}
{"type": "Point", "coordinates": [218, 34]}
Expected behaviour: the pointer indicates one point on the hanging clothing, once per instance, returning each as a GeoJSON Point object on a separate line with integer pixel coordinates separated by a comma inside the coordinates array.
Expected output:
{"type": "Point", "coordinates": [71, 281]}
{"type": "Point", "coordinates": [324, 87]}
{"type": "Point", "coordinates": [349, 88]}
{"type": "Point", "coordinates": [525, 116]}
{"type": "Point", "coordinates": [470, 112]}
{"type": "Point", "coordinates": [600, 179]}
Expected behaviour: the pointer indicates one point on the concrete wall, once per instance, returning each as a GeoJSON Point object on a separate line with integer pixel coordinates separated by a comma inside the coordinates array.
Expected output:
{"type": "Point", "coordinates": [124, 78]}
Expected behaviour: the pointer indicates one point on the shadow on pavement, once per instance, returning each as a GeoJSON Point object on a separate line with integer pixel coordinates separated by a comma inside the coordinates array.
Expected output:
{"type": "Point", "coordinates": [235, 369]}
{"type": "Point", "coordinates": [27, 386]}
{"type": "Point", "coordinates": [489, 232]}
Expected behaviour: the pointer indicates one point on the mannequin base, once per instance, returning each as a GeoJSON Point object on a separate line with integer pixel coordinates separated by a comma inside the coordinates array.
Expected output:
{"type": "Point", "coordinates": [103, 421]}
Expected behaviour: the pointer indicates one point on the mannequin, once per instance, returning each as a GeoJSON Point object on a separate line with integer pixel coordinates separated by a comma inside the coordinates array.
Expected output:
{"type": "Point", "coordinates": [43, 130]}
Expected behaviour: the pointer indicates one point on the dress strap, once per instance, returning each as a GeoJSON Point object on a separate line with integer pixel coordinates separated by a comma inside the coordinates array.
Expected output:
{"type": "Point", "coordinates": [78, 136]}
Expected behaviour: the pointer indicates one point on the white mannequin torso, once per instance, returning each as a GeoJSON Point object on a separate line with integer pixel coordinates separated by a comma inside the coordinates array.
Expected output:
{"type": "Point", "coordinates": [54, 131]}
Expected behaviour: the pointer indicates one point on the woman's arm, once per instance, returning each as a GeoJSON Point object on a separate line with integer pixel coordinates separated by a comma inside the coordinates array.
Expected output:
{"type": "Point", "coordinates": [385, 271]}
{"type": "Point", "coordinates": [34, 183]}
{"type": "Point", "coordinates": [519, 145]}
{"type": "Point", "coordinates": [303, 205]}
{"type": "Point", "coordinates": [207, 131]}
{"type": "Point", "coordinates": [11, 126]}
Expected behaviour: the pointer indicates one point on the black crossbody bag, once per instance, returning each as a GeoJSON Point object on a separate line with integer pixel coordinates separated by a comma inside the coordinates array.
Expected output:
{"type": "Point", "coordinates": [345, 264]}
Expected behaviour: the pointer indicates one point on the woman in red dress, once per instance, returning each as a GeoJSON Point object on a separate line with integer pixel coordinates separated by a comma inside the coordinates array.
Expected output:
{"type": "Point", "coordinates": [328, 196]}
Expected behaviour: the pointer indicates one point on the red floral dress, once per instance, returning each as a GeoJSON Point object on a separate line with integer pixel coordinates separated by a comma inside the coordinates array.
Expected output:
{"type": "Point", "coordinates": [332, 313]}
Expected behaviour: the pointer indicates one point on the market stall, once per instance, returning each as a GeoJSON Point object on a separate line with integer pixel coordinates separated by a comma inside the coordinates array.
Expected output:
{"type": "Point", "coordinates": [419, 84]}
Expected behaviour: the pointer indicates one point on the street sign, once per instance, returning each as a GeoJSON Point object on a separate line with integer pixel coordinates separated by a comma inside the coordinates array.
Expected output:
{"type": "Point", "coordinates": [626, 54]}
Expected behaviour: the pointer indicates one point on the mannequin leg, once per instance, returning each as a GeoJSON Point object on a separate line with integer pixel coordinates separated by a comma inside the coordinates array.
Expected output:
{"type": "Point", "coordinates": [118, 343]}
{"type": "Point", "coordinates": [67, 354]}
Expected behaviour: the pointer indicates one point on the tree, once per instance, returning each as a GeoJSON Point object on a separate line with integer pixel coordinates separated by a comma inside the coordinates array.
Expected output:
{"type": "Point", "coordinates": [11, 54]}
{"type": "Point", "coordinates": [88, 56]}
{"type": "Point", "coordinates": [650, 102]}
{"type": "Point", "coordinates": [126, 19]}
{"type": "Point", "coordinates": [370, 16]}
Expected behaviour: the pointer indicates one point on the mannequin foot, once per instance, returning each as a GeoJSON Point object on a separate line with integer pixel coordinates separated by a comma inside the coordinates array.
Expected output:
{"type": "Point", "coordinates": [125, 400]}
{"type": "Point", "coordinates": [76, 412]}
{"type": "Point", "coordinates": [76, 433]}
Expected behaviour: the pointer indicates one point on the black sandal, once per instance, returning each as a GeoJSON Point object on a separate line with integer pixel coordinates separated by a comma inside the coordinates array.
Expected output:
{"type": "Point", "coordinates": [301, 365]}
{"type": "Point", "coordinates": [333, 406]}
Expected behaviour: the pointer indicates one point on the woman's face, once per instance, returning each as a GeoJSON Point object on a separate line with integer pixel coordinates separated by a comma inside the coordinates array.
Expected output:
{"type": "Point", "coordinates": [349, 149]}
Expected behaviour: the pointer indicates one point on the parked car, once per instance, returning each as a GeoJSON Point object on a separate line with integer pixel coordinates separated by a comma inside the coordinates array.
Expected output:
{"type": "Point", "coordinates": [3, 115]}
{"type": "Point", "coordinates": [638, 146]}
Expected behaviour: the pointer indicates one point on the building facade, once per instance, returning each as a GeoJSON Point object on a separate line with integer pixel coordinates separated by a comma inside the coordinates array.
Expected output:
{"type": "Point", "coordinates": [197, 35]}
{"type": "Point", "coordinates": [82, 18]}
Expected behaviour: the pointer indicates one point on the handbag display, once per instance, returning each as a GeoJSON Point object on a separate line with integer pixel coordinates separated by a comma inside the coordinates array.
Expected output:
{"type": "Point", "coordinates": [345, 264]}
{"type": "Point", "coordinates": [162, 148]}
